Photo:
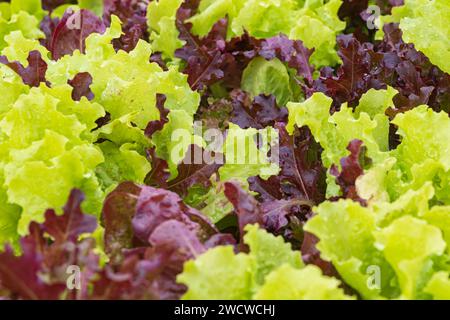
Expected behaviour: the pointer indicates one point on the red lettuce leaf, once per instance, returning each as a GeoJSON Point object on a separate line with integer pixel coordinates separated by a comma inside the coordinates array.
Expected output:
{"type": "Point", "coordinates": [311, 255]}
{"type": "Point", "coordinates": [118, 211]}
{"type": "Point", "coordinates": [20, 275]}
{"type": "Point", "coordinates": [413, 75]}
{"type": "Point", "coordinates": [72, 224]}
{"type": "Point", "coordinates": [262, 112]}
{"type": "Point", "coordinates": [159, 175]}
{"type": "Point", "coordinates": [34, 73]}
{"type": "Point", "coordinates": [132, 13]}
{"type": "Point", "coordinates": [246, 207]}
{"type": "Point", "coordinates": [157, 233]}
{"type": "Point", "coordinates": [287, 199]}
{"type": "Point", "coordinates": [352, 168]}
{"type": "Point", "coordinates": [191, 173]}
{"type": "Point", "coordinates": [204, 57]}
{"type": "Point", "coordinates": [48, 26]}
{"type": "Point", "coordinates": [154, 207]}
{"type": "Point", "coordinates": [389, 62]}
{"type": "Point", "coordinates": [302, 174]}
{"type": "Point", "coordinates": [71, 32]}
{"type": "Point", "coordinates": [213, 59]}
{"type": "Point", "coordinates": [40, 272]}
{"type": "Point", "coordinates": [81, 86]}
{"type": "Point", "coordinates": [171, 234]}
{"type": "Point", "coordinates": [157, 58]}
{"type": "Point", "coordinates": [157, 125]}
{"type": "Point", "coordinates": [357, 74]}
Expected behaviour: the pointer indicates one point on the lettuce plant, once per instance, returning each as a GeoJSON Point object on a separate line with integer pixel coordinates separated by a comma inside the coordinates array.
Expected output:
{"type": "Point", "coordinates": [226, 149]}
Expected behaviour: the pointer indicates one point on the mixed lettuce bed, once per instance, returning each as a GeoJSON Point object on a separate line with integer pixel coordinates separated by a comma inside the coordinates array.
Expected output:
{"type": "Point", "coordinates": [224, 149]}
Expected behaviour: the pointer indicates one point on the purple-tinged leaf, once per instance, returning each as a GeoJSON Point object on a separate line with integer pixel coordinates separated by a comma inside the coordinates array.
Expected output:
{"type": "Point", "coordinates": [34, 73]}
{"type": "Point", "coordinates": [278, 212]}
{"type": "Point", "coordinates": [192, 172]}
{"type": "Point", "coordinates": [157, 125]}
{"type": "Point", "coordinates": [204, 57]}
{"type": "Point", "coordinates": [212, 59]}
{"type": "Point", "coordinates": [302, 174]}
{"type": "Point", "coordinates": [292, 52]}
{"type": "Point", "coordinates": [354, 77]}
{"type": "Point", "coordinates": [48, 26]}
{"type": "Point", "coordinates": [158, 59]}
{"type": "Point", "coordinates": [118, 211]}
{"type": "Point", "coordinates": [73, 223]}
{"type": "Point", "coordinates": [159, 175]}
{"type": "Point", "coordinates": [72, 31]}
{"type": "Point", "coordinates": [41, 271]}
{"type": "Point", "coordinates": [20, 276]}
{"type": "Point", "coordinates": [352, 168]}
{"type": "Point", "coordinates": [132, 14]}
{"type": "Point", "coordinates": [311, 255]}
{"type": "Point", "coordinates": [287, 199]}
{"type": "Point", "coordinates": [155, 206]}
{"type": "Point", "coordinates": [245, 206]}
{"type": "Point", "coordinates": [413, 75]}
{"type": "Point", "coordinates": [262, 112]}
{"type": "Point", "coordinates": [81, 86]}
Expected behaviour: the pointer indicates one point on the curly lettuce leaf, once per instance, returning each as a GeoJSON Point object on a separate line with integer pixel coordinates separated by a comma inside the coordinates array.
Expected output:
{"type": "Point", "coordinates": [419, 159]}
{"type": "Point", "coordinates": [221, 274]}
{"type": "Point", "coordinates": [243, 158]}
{"type": "Point", "coordinates": [316, 23]}
{"type": "Point", "coordinates": [46, 141]}
{"type": "Point", "coordinates": [20, 21]}
{"type": "Point", "coordinates": [336, 131]}
{"type": "Point", "coordinates": [268, 77]}
{"type": "Point", "coordinates": [349, 244]}
{"type": "Point", "coordinates": [218, 274]}
{"type": "Point", "coordinates": [161, 19]}
{"type": "Point", "coordinates": [127, 84]}
{"type": "Point", "coordinates": [408, 243]}
{"type": "Point", "coordinates": [381, 257]}
{"type": "Point", "coordinates": [425, 24]}
{"type": "Point", "coordinates": [288, 283]}
{"type": "Point", "coordinates": [11, 87]}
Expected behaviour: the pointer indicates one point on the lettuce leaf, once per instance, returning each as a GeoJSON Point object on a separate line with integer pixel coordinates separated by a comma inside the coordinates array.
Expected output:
{"type": "Point", "coordinates": [268, 18]}
{"type": "Point", "coordinates": [261, 274]}
{"type": "Point", "coordinates": [47, 141]}
{"type": "Point", "coordinates": [424, 23]}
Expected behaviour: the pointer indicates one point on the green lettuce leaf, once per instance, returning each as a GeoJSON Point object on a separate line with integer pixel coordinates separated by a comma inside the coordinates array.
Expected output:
{"type": "Point", "coordinates": [316, 23]}
{"type": "Point", "coordinates": [408, 244]}
{"type": "Point", "coordinates": [14, 17]}
{"type": "Point", "coordinates": [126, 85]}
{"type": "Point", "coordinates": [418, 160]}
{"type": "Point", "coordinates": [221, 274]}
{"type": "Point", "coordinates": [383, 258]}
{"type": "Point", "coordinates": [268, 77]}
{"type": "Point", "coordinates": [439, 286]}
{"type": "Point", "coordinates": [161, 18]}
{"type": "Point", "coordinates": [46, 141]}
{"type": "Point", "coordinates": [335, 132]}
{"type": "Point", "coordinates": [288, 283]}
{"type": "Point", "coordinates": [425, 24]}
{"type": "Point", "coordinates": [243, 157]}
